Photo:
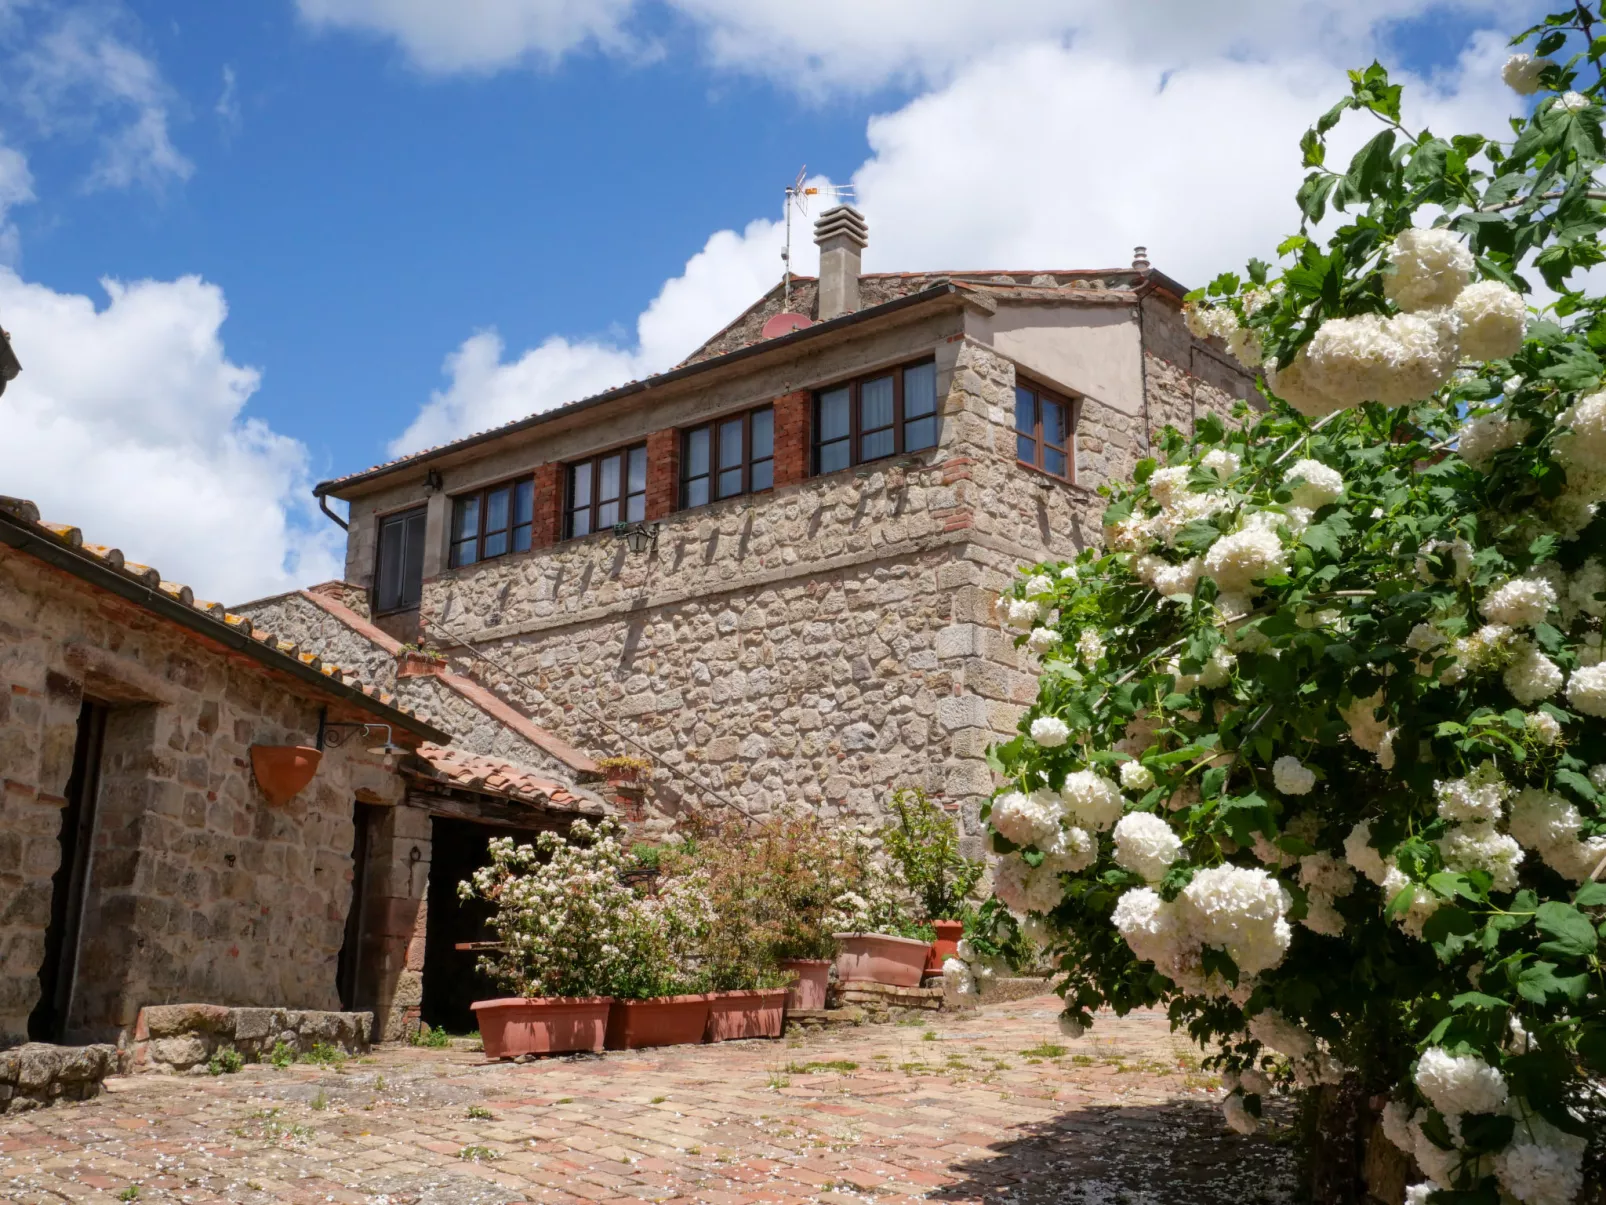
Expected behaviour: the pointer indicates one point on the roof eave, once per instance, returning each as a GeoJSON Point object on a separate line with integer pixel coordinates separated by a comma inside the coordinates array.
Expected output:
{"type": "Point", "coordinates": [338, 488]}
{"type": "Point", "coordinates": [25, 537]}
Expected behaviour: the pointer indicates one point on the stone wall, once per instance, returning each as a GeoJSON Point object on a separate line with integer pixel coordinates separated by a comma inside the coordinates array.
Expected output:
{"type": "Point", "coordinates": [198, 887]}
{"type": "Point", "coordinates": [1186, 376]}
{"type": "Point", "coordinates": [39, 1074]}
{"type": "Point", "coordinates": [176, 1038]}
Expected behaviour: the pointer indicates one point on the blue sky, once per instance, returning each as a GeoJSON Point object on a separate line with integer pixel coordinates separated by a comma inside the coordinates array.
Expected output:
{"type": "Point", "coordinates": [421, 219]}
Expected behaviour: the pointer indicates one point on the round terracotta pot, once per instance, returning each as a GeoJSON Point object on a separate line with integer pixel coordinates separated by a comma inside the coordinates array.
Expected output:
{"type": "Point", "coordinates": [880, 958]}
{"type": "Point", "coordinates": [662, 1021]}
{"type": "Point", "coordinates": [282, 770]}
{"type": "Point", "coordinates": [946, 946]}
{"type": "Point", "coordinates": [518, 1025]}
{"type": "Point", "coordinates": [808, 989]}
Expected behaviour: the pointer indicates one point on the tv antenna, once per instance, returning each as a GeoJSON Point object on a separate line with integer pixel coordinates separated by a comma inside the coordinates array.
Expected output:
{"type": "Point", "coordinates": [798, 196]}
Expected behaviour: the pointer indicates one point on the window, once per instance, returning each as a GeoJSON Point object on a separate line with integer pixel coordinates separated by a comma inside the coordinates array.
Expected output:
{"type": "Point", "coordinates": [882, 415]}
{"type": "Point", "coordinates": [729, 457]}
{"type": "Point", "coordinates": [400, 572]}
{"type": "Point", "coordinates": [492, 522]}
{"type": "Point", "coordinates": [1043, 430]}
{"type": "Point", "coordinates": [605, 490]}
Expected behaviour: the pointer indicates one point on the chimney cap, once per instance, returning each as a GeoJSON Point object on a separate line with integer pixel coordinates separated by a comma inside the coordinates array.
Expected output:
{"type": "Point", "coordinates": [842, 221]}
{"type": "Point", "coordinates": [1140, 259]}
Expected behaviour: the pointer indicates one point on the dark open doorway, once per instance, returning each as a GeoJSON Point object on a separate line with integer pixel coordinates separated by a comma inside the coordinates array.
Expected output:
{"type": "Point", "coordinates": [49, 1019]}
{"type": "Point", "coordinates": [349, 981]}
{"type": "Point", "coordinates": [452, 981]}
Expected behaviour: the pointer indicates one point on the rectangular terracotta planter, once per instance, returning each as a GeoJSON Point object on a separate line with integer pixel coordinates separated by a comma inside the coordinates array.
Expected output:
{"type": "Point", "coordinates": [518, 1025]}
{"type": "Point", "coordinates": [663, 1021]}
{"type": "Point", "coordinates": [755, 1014]}
{"type": "Point", "coordinates": [880, 958]}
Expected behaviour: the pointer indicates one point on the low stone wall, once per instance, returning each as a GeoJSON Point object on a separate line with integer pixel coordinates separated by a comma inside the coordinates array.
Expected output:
{"type": "Point", "coordinates": [1001, 988]}
{"type": "Point", "coordinates": [184, 1037]}
{"type": "Point", "coordinates": [39, 1074]}
{"type": "Point", "coordinates": [883, 1002]}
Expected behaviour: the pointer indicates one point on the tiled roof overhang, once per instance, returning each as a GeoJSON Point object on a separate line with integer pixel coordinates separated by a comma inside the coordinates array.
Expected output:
{"type": "Point", "coordinates": [784, 343]}
{"type": "Point", "coordinates": [49, 546]}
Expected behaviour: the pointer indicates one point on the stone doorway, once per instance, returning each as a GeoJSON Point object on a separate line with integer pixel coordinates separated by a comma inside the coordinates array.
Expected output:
{"type": "Point", "coordinates": [452, 981]}
{"type": "Point", "coordinates": [366, 819]}
{"type": "Point", "coordinates": [59, 969]}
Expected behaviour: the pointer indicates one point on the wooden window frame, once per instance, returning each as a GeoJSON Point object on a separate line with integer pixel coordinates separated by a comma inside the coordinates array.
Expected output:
{"type": "Point", "coordinates": [856, 432]}
{"type": "Point", "coordinates": [1071, 406]}
{"type": "Point", "coordinates": [380, 523]}
{"type": "Point", "coordinates": [622, 451]}
{"type": "Point", "coordinates": [713, 426]}
{"type": "Point", "coordinates": [482, 494]}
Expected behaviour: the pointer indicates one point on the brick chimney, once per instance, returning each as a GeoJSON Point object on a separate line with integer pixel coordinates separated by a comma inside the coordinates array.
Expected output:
{"type": "Point", "coordinates": [841, 234]}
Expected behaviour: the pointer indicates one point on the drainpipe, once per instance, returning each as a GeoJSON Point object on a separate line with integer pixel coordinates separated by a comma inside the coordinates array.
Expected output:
{"type": "Point", "coordinates": [323, 505]}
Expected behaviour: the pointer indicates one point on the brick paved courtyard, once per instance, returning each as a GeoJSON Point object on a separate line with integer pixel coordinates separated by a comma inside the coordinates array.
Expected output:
{"type": "Point", "coordinates": [994, 1107]}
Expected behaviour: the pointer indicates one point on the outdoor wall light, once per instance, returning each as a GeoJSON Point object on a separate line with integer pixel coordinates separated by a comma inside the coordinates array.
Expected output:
{"type": "Point", "coordinates": [332, 736]}
{"type": "Point", "coordinates": [638, 537]}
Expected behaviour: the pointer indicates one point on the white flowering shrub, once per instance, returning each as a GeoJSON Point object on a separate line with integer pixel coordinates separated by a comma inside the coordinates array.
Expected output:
{"type": "Point", "coordinates": [1329, 780]}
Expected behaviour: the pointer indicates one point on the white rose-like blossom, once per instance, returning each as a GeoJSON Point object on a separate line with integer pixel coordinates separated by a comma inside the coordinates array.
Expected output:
{"type": "Point", "coordinates": [1481, 437]}
{"type": "Point", "coordinates": [1222, 462]}
{"type": "Point", "coordinates": [1359, 853]}
{"type": "Point", "coordinates": [1276, 1033]}
{"type": "Point", "coordinates": [1550, 825]}
{"type": "Point", "coordinates": [1493, 320]}
{"type": "Point", "coordinates": [1460, 1083]}
{"type": "Point", "coordinates": [1543, 727]}
{"type": "Point", "coordinates": [1477, 798]}
{"type": "Point", "coordinates": [1091, 800]}
{"type": "Point", "coordinates": [1050, 732]}
{"type": "Point", "coordinates": [1542, 1165]}
{"type": "Point", "coordinates": [1209, 322]}
{"type": "Point", "coordinates": [1024, 888]}
{"type": "Point", "coordinates": [1297, 385]}
{"type": "Point", "coordinates": [1395, 361]}
{"type": "Point", "coordinates": [1365, 729]}
{"type": "Point", "coordinates": [1520, 602]}
{"type": "Point", "coordinates": [1026, 819]}
{"type": "Point", "coordinates": [1135, 776]}
{"type": "Point", "coordinates": [1042, 640]}
{"type": "Point", "coordinates": [1585, 587]}
{"type": "Point", "coordinates": [1586, 690]}
{"type": "Point", "coordinates": [1522, 71]}
{"type": "Point", "coordinates": [1431, 267]}
{"type": "Point", "coordinates": [1245, 346]}
{"type": "Point", "coordinates": [1167, 579]}
{"type": "Point", "coordinates": [1480, 847]}
{"type": "Point", "coordinates": [1573, 102]}
{"type": "Point", "coordinates": [1148, 925]}
{"type": "Point", "coordinates": [1235, 562]}
{"type": "Point", "coordinates": [1423, 902]}
{"type": "Point", "coordinates": [1145, 845]}
{"type": "Point", "coordinates": [1583, 442]}
{"type": "Point", "coordinates": [1089, 647]}
{"type": "Point", "coordinates": [1039, 583]}
{"type": "Point", "coordinates": [1243, 912]}
{"type": "Point", "coordinates": [1290, 776]}
{"type": "Point", "coordinates": [1022, 614]}
{"type": "Point", "coordinates": [1460, 557]}
{"type": "Point", "coordinates": [1314, 484]}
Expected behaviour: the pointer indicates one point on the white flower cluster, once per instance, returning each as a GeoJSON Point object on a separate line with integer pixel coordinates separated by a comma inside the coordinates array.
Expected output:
{"type": "Point", "coordinates": [1324, 879]}
{"type": "Point", "coordinates": [1242, 912]}
{"type": "Point", "coordinates": [1166, 579]}
{"type": "Point", "coordinates": [1460, 556]}
{"type": "Point", "coordinates": [1213, 674]}
{"type": "Point", "coordinates": [1521, 602]}
{"type": "Point", "coordinates": [1586, 587]}
{"type": "Point", "coordinates": [1543, 727]}
{"type": "Point", "coordinates": [1223, 463]}
{"type": "Point", "coordinates": [1522, 71]}
{"type": "Point", "coordinates": [1583, 441]}
{"type": "Point", "coordinates": [1024, 819]}
{"type": "Point", "coordinates": [1236, 562]}
{"type": "Point", "coordinates": [1431, 268]}
{"type": "Point", "coordinates": [1089, 647]}
{"type": "Point", "coordinates": [1485, 435]}
{"type": "Point", "coordinates": [1312, 1063]}
{"type": "Point", "coordinates": [1091, 800]}
{"type": "Point", "coordinates": [1025, 888]}
{"type": "Point", "coordinates": [1479, 846]}
{"type": "Point", "coordinates": [1208, 321]}
{"type": "Point", "coordinates": [1532, 676]}
{"type": "Point", "coordinates": [1135, 776]}
{"type": "Point", "coordinates": [1572, 102]}
{"type": "Point", "coordinates": [1493, 320]}
{"type": "Point", "coordinates": [1291, 776]}
{"type": "Point", "coordinates": [1145, 845]}
{"type": "Point", "coordinates": [1314, 484]}
{"type": "Point", "coordinates": [1366, 730]}
{"type": "Point", "coordinates": [1385, 872]}
{"type": "Point", "coordinates": [1042, 640]}
{"type": "Point", "coordinates": [1586, 690]}
{"type": "Point", "coordinates": [1551, 826]}
{"type": "Point", "coordinates": [1050, 732]}
{"type": "Point", "coordinates": [1543, 1165]}
{"type": "Point", "coordinates": [1460, 1083]}
{"type": "Point", "coordinates": [1476, 799]}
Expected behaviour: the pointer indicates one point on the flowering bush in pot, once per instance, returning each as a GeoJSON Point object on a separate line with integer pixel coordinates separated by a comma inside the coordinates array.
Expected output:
{"type": "Point", "coordinates": [923, 842]}
{"type": "Point", "coordinates": [1317, 760]}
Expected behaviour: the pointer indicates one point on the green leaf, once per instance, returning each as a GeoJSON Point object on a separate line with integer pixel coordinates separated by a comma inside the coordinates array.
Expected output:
{"type": "Point", "coordinates": [1313, 194]}
{"type": "Point", "coordinates": [1448, 930]}
{"type": "Point", "coordinates": [1477, 1000]}
{"type": "Point", "coordinates": [1540, 984]}
{"type": "Point", "coordinates": [1570, 932]}
{"type": "Point", "coordinates": [1371, 165]}
{"type": "Point", "coordinates": [1487, 1132]}
{"type": "Point", "coordinates": [1450, 884]}
{"type": "Point", "coordinates": [1321, 538]}
{"type": "Point", "coordinates": [1591, 895]}
{"type": "Point", "coordinates": [1580, 785]}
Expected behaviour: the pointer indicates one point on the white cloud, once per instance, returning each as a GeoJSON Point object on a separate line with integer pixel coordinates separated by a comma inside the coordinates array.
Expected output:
{"type": "Point", "coordinates": [81, 78]}
{"type": "Point", "coordinates": [16, 188]}
{"type": "Point", "coordinates": [227, 108]}
{"type": "Point", "coordinates": [1046, 155]}
{"type": "Point", "coordinates": [721, 280]}
{"type": "Point", "coordinates": [127, 422]}
{"type": "Point", "coordinates": [480, 35]}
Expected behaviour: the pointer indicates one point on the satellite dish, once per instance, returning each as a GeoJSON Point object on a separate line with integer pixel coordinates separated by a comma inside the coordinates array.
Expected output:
{"type": "Point", "coordinates": [784, 324]}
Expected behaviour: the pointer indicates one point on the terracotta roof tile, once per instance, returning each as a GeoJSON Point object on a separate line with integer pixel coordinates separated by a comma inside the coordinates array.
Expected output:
{"type": "Point", "coordinates": [112, 558]}
{"type": "Point", "coordinates": [494, 776]}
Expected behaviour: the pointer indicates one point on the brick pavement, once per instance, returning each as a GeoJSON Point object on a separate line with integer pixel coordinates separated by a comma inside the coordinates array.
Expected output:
{"type": "Point", "coordinates": [980, 1111]}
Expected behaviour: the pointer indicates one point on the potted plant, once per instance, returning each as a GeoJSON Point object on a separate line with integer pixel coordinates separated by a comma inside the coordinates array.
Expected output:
{"type": "Point", "coordinates": [878, 940]}
{"type": "Point", "coordinates": [624, 769]}
{"type": "Point", "coordinates": [563, 923]}
{"type": "Point", "coordinates": [661, 995]}
{"type": "Point", "coordinates": [923, 841]}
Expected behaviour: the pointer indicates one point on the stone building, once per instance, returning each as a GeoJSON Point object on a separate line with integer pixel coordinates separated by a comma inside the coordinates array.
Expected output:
{"type": "Point", "coordinates": [142, 861]}
{"type": "Point", "coordinates": [771, 568]}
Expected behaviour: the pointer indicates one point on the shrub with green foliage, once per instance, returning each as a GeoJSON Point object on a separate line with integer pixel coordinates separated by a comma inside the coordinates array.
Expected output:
{"type": "Point", "coordinates": [1318, 761]}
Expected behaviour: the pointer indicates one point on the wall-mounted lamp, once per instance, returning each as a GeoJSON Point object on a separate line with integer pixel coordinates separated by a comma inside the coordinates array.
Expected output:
{"type": "Point", "coordinates": [332, 736]}
{"type": "Point", "coordinates": [433, 482]}
{"type": "Point", "coordinates": [638, 537]}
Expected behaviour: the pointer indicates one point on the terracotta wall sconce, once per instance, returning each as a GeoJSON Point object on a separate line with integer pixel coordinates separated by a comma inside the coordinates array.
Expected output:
{"type": "Point", "coordinates": [282, 770]}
